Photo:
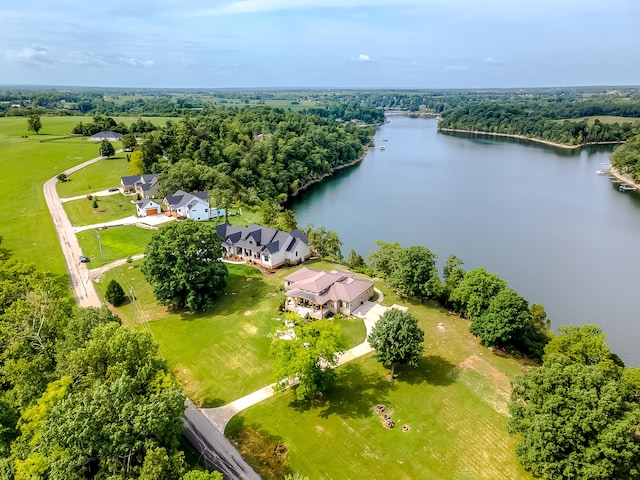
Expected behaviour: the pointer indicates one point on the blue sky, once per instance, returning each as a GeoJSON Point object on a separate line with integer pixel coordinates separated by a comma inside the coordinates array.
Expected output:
{"type": "Point", "coordinates": [320, 43]}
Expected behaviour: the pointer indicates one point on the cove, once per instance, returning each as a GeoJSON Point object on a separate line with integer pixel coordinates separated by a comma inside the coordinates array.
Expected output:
{"type": "Point", "coordinates": [538, 216]}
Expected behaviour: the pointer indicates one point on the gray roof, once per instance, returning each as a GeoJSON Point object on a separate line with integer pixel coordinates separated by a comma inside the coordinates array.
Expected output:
{"type": "Point", "coordinates": [264, 238]}
{"type": "Point", "coordinates": [146, 179]}
{"type": "Point", "coordinates": [107, 134]}
{"type": "Point", "coordinates": [182, 199]}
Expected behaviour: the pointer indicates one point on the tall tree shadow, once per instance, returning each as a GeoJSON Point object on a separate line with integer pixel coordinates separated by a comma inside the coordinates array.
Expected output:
{"type": "Point", "coordinates": [354, 394]}
{"type": "Point", "coordinates": [432, 369]}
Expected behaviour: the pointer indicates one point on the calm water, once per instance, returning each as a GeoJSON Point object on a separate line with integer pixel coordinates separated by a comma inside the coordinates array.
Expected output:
{"type": "Point", "coordinates": [539, 216]}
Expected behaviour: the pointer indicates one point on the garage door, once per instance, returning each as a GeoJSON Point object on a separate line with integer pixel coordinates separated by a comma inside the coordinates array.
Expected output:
{"type": "Point", "coordinates": [152, 211]}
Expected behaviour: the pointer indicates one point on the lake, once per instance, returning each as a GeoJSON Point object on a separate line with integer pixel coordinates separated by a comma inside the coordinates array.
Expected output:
{"type": "Point", "coordinates": [539, 216]}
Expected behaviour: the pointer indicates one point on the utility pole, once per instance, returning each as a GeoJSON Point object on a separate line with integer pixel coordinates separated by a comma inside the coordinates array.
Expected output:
{"type": "Point", "coordinates": [133, 303]}
{"type": "Point", "coordinates": [99, 243]}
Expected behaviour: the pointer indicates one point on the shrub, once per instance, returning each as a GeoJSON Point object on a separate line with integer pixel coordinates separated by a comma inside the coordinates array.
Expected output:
{"type": "Point", "coordinates": [115, 294]}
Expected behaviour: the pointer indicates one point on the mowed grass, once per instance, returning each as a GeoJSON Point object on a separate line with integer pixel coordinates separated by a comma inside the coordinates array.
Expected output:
{"type": "Point", "coordinates": [26, 163]}
{"type": "Point", "coordinates": [110, 207]}
{"type": "Point", "coordinates": [223, 354]}
{"type": "Point", "coordinates": [117, 243]}
{"type": "Point", "coordinates": [101, 175]}
{"type": "Point", "coordinates": [454, 404]}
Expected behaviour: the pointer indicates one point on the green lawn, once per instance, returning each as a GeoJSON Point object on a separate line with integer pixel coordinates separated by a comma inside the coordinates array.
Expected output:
{"type": "Point", "coordinates": [117, 243]}
{"type": "Point", "coordinates": [26, 163]}
{"type": "Point", "coordinates": [100, 176]}
{"type": "Point", "coordinates": [110, 207]}
{"type": "Point", "coordinates": [455, 405]}
{"type": "Point", "coordinates": [223, 354]}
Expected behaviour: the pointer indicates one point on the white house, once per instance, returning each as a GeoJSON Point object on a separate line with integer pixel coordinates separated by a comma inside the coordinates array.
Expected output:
{"type": "Point", "coordinates": [194, 206]}
{"type": "Point", "coordinates": [266, 246]}
{"type": "Point", "coordinates": [147, 207]}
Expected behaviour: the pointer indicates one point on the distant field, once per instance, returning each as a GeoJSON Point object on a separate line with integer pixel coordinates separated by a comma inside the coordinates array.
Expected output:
{"type": "Point", "coordinates": [100, 176]}
{"type": "Point", "coordinates": [604, 119]}
{"type": "Point", "coordinates": [110, 207]}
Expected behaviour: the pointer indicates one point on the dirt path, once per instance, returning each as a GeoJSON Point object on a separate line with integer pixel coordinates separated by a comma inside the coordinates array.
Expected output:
{"type": "Point", "coordinates": [81, 285]}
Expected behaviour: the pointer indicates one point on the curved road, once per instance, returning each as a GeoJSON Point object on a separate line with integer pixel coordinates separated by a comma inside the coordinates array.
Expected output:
{"type": "Point", "coordinates": [81, 285]}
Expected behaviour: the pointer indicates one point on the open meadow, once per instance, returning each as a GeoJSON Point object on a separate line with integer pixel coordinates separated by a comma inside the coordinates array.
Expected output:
{"type": "Point", "coordinates": [27, 161]}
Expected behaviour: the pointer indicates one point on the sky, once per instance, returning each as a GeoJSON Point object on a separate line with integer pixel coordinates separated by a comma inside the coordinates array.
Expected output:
{"type": "Point", "coordinates": [320, 43]}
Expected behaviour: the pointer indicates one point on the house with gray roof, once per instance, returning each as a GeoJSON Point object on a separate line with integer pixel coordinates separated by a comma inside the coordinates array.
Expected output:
{"type": "Point", "coordinates": [265, 246]}
{"type": "Point", "coordinates": [106, 135]}
{"type": "Point", "coordinates": [194, 206]}
{"type": "Point", "coordinates": [316, 293]}
{"type": "Point", "coordinates": [147, 185]}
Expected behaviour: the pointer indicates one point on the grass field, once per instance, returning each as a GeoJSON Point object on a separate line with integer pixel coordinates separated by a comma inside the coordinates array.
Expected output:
{"type": "Point", "coordinates": [101, 175]}
{"type": "Point", "coordinates": [110, 207]}
{"type": "Point", "coordinates": [223, 354]}
{"type": "Point", "coordinates": [26, 162]}
{"type": "Point", "coordinates": [454, 404]}
{"type": "Point", "coordinates": [117, 243]}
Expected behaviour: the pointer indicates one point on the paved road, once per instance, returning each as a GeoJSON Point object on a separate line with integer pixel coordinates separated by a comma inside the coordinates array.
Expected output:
{"type": "Point", "coordinates": [214, 447]}
{"type": "Point", "coordinates": [81, 285]}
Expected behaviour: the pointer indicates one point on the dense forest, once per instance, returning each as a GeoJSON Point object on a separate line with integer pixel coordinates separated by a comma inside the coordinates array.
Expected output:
{"type": "Point", "coordinates": [626, 158]}
{"type": "Point", "coordinates": [550, 118]}
{"type": "Point", "coordinates": [249, 155]}
{"type": "Point", "coordinates": [80, 396]}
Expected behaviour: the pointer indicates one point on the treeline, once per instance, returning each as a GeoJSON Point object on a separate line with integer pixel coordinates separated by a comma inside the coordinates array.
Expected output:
{"type": "Point", "coordinates": [249, 155]}
{"type": "Point", "coordinates": [101, 123]}
{"type": "Point", "coordinates": [498, 315]}
{"type": "Point", "coordinates": [626, 158]}
{"type": "Point", "coordinates": [80, 396]}
{"type": "Point", "coordinates": [542, 120]}
{"type": "Point", "coordinates": [350, 111]}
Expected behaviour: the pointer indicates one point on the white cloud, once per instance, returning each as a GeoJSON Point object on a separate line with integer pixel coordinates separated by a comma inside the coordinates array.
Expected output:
{"type": "Point", "coordinates": [135, 62]}
{"type": "Point", "coordinates": [34, 55]}
{"type": "Point", "coordinates": [492, 61]}
{"type": "Point", "coordinates": [455, 67]}
{"type": "Point", "coordinates": [363, 57]}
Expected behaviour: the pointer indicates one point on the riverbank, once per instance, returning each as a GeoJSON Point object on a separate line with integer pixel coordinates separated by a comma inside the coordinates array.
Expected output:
{"type": "Point", "coordinates": [328, 174]}
{"type": "Point", "coordinates": [524, 137]}
{"type": "Point", "coordinates": [624, 178]}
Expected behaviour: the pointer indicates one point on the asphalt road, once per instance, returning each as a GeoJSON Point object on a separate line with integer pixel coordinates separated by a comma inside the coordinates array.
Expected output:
{"type": "Point", "coordinates": [81, 284]}
{"type": "Point", "coordinates": [214, 447]}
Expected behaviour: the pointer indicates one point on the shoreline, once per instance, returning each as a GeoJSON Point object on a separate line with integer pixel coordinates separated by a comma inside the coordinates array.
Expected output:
{"type": "Point", "coordinates": [624, 177]}
{"type": "Point", "coordinates": [328, 174]}
{"type": "Point", "coordinates": [531, 139]}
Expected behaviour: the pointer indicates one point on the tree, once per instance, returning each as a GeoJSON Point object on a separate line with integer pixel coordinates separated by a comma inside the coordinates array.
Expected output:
{"type": "Point", "coordinates": [114, 293]}
{"type": "Point", "coordinates": [453, 274]}
{"type": "Point", "coordinates": [182, 264]}
{"type": "Point", "coordinates": [129, 141]}
{"type": "Point", "coordinates": [269, 212]}
{"type": "Point", "coordinates": [94, 204]}
{"type": "Point", "coordinates": [287, 220]}
{"type": "Point", "coordinates": [584, 344]}
{"type": "Point", "coordinates": [355, 261]}
{"type": "Point", "coordinates": [474, 293]}
{"type": "Point", "coordinates": [414, 273]}
{"type": "Point", "coordinates": [323, 242]}
{"type": "Point", "coordinates": [136, 165]}
{"type": "Point", "coordinates": [62, 177]}
{"type": "Point", "coordinates": [384, 260]}
{"type": "Point", "coordinates": [308, 357]}
{"type": "Point", "coordinates": [33, 123]}
{"type": "Point", "coordinates": [106, 149]}
{"type": "Point", "coordinates": [397, 339]}
{"type": "Point", "coordinates": [575, 421]}
{"type": "Point", "coordinates": [202, 475]}
{"type": "Point", "coordinates": [505, 319]}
